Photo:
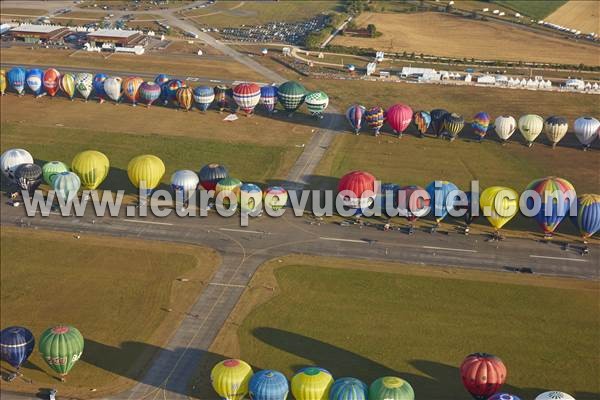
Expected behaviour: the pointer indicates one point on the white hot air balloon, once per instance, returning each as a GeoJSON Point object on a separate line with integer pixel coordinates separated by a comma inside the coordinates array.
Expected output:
{"type": "Point", "coordinates": [587, 130]}
{"type": "Point", "coordinates": [83, 84]}
{"type": "Point", "coordinates": [11, 159]}
{"type": "Point", "coordinates": [112, 88]}
{"type": "Point", "coordinates": [554, 395]}
{"type": "Point", "coordinates": [186, 182]}
{"type": "Point", "coordinates": [505, 126]}
{"type": "Point", "coordinates": [531, 126]}
{"type": "Point", "coordinates": [555, 129]}
{"type": "Point", "coordinates": [66, 185]}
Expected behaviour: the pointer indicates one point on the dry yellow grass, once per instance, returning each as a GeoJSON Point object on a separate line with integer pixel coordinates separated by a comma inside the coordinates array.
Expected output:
{"type": "Point", "coordinates": [22, 11]}
{"type": "Point", "coordinates": [578, 14]}
{"type": "Point", "coordinates": [452, 36]}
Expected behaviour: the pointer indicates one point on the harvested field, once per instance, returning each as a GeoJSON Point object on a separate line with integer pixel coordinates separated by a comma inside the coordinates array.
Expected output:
{"type": "Point", "coordinates": [578, 14]}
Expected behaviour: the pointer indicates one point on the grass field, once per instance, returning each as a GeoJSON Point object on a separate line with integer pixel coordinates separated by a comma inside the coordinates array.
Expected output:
{"type": "Point", "coordinates": [578, 14]}
{"type": "Point", "coordinates": [22, 11]}
{"type": "Point", "coordinates": [114, 290]}
{"type": "Point", "coordinates": [534, 9]}
{"type": "Point", "coordinates": [415, 322]}
{"type": "Point", "coordinates": [465, 37]}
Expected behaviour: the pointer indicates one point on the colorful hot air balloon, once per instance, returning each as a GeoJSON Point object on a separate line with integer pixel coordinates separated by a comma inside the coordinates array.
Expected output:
{"type": "Point", "coordinates": [161, 78]}
{"type": "Point", "coordinates": [16, 79]}
{"type": "Point", "coordinates": [311, 383]}
{"type": "Point", "coordinates": [66, 185]}
{"type": "Point", "coordinates": [555, 129]}
{"type": "Point", "coordinates": [375, 117]}
{"type": "Point", "coordinates": [480, 124]}
{"type": "Point", "coordinates": [499, 205]}
{"type": "Point", "coordinates": [504, 396]}
{"type": "Point", "coordinates": [453, 124]}
{"type": "Point", "coordinates": [530, 126]}
{"type": "Point", "coordinates": [587, 219]}
{"type": "Point", "coordinates": [422, 120]}
{"type": "Point", "coordinates": [437, 120]}
{"type": "Point", "coordinates": [441, 198]}
{"type": "Point", "coordinates": [358, 190]}
{"type": "Point", "coordinates": [184, 183]}
{"type": "Point", "coordinates": [587, 129]}
{"type": "Point", "coordinates": [204, 96]}
{"type": "Point", "coordinates": [28, 177]}
{"type": "Point", "coordinates": [16, 345]}
{"type": "Point", "coordinates": [92, 168]}
{"type": "Point", "coordinates": [11, 159]}
{"type": "Point", "coordinates": [2, 82]}
{"type": "Point", "coordinates": [229, 187]}
{"type": "Point", "coordinates": [221, 93]}
{"type": "Point", "coordinates": [391, 388]}
{"type": "Point", "coordinates": [268, 97]}
{"type": "Point", "coordinates": [268, 385]}
{"type": "Point", "coordinates": [291, 95]}
{"type": "Point", "coordinates": [113, 88]}
{"type": "Point", "coordinates": [246, 95]}
{"type": "Point", "coordinates": [316, 103]}
{"type": "Point", "coordinates": [185, 97]}
{"type": "Point", "coordinates": [131, 88]}
{"type": "Point", "coordinates": [145, 171]}
{"type": "Point", "coordinates": [276, 197]}
{"type": "Point", "coordinates": [169, 90]}
{"type": "Point", "coordinates": [349, 389]}
{"type": "Point", "coordinates": [505, 126]}
{"type": "Point", "coordinates": [554, 395]}
{"type": "Point", "coordinates": [250, 198]}
{"type": "Point", "coordinates": [413, 202]}
{"type": "Point", "coordinates": [482, 375]}
{"type": "Point", "coordinates": [61, 347]}
{"type": "Point", "coordinates": [211, 174]}
{"type": "Point", "coordinates": [84, 83]}
{"type": "Point", "coordinates": [355, 115]}
{"type": "Point", "coordinates": [230, 379]}
{"type": "Point", "coordinates": [399, 117]}
{"type": "Point", "coordinates": [67, 85]}
{"type": "Point", "coordinates": [52, 168]}
{"type": "Point", "coordinates": [34, 81]}
{"type": "Point", "coordinates": [51, 81]}
{"type": "Point", "coordinates": [98, 86]}
{"type": "Point", "coordinates": [553, 209]}
{"type": "Point", "coordinates": [149, 93]}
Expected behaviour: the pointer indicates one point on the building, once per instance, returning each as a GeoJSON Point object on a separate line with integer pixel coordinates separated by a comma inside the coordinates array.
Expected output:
{"type": "Point", "coordinates": [486, 80]}
{"type": "Point", "coordinates": [114, 38]}
{"type": "Point", "coordinates": [408, 72]}
{"type": "Point", "coordinates": [30, 33]}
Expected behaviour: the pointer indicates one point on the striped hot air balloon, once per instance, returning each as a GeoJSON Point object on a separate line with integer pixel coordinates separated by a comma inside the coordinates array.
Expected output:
{"type": "Point", "coordinates": [149, 92]}
{"type": "Point", "coordinates": [399, 117]}
{"type": "Point", "coordinates": [246, 95]}
{"type": "Point", "coordinates": [480, 124]}
{"type": "Point", "coordinates": [391, 388]}
{"type": "Point", "coordinates": [312, 383]}
{"type": "Point", "coordinates": [131, 88]}
{"type": "Point", "coordinates": [204, 96]}
{"type": "Point", "coordinates": [555, 129]}
{"type": "Point", "coordinates": [349, 389]}
{"type": "Point", "coordinates": [230, 379]}
{"type": "Point", "coordinates": [61, 347]}
{"type": "Point", "coordinates": [291, 96]}
{"type": "Point", "coordinates": [482, 375]}
{"type": "Point", "coordinates": [587, 129]}
{"type": "Point", "coordinates": [230, 187]}
{"type": "Point", "coordinates": [16, 345]}
{"type": "Point", "coordinates": [169, 90]}
{"type": "Point", "coordinates": [587, 219]}
{"type": "Point", "coordinates": [67, 85]}
{"type": "Point", "coordinates": [221, 94]}
{"type": "Point", "coordinates": [268, 385]}
{"type": "Point", "coordinates": [268, 97]}
{"type": "Point", "coordinates": [422, 120]}
{"type": "Point", "coordinates": [453, 124]}
{"type": "Point", "coordinates": [437, 120]}
{"type": "Point", "coordinates": [556, 195]}
{"type": "Point", "coordinates": [375, 117]}
{"type": "Point", "coordinates": [185, 97]}
{"type": "Point", "coordinates": [316, 102]}
{"type": "Point", "coordinates": [211, 174]}
{"type": "Point", "coordinates": [51, 81]}
{"type": "Point", "coordinates": [66, 185]}
{"type": "Point", "coordinates": [355, 115]}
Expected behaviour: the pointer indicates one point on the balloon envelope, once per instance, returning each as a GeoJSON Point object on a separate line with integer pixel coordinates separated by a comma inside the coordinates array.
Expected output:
{"type": "Point", "coordinates": [268, 97]}
{"type": "Point", "coordinates": [92, 168]}
{"type": "Point", "coordinates": [413, 202]}
{"type": "Point", "coordinates": [422, 121]}
{"type": "Point", "coordinates": [34, 80]}
{"type": "Point", "coordinates": [480, 124]}
{"type": "Point", "coordinates": [250, 197]}
{"type": "Point", "coordinates": [291, 95]}
{"type": "Point", "coordinates": [553, 209]}
{"type": "Point", "coordinates": [146, 170]}
{"type": "Point", "coordinates": [131, 88]}
{"type": "Point", "coordinates": [268, 385]}
{"type": "Point", "coordinates": [211, 174]}
{"type": "Point", "coordinates": [11, 159]}
{"type": "Point", "coordinates": [84, 83]}
{"type": "Point", "coordinates": [51, 81]}
{"type": "Point", "coordinates": [185, 97]}
{"type": "Point", "coordinates": [499, 205]}
{"type": "Point", "coordinates": [442, 200]}
{"type": "Point", "coordinates": [149, 92]}
{"type": "Point", "coordinates": [349, 389]}
{"type": "Point", "coordinates": [28, 177]}
{"type": "Point", "coordinates": [555, 129]}
{"type": "Point", "coordinates": [554, 395]}
{"type": "Point", "coordinates": [437, 120]}
{"type": "Point", "coordinates": [505, 126]}
{"type": "Point", "coordinates": [399, 117]}
{"type": "Point", "coordinates": [312, 383]}
{"type": "Point", "coordinates": [204, 96]}
{"type": "Point", "coordinates": [453, 124]}
{"type": "Point", "coordinates": [230, 379]}
{"type": "Point", "coordinates": [355, 115]}
{"type": "Point", "coordinates": [16, 345]}
{"type": "Point", "coordinates": [67, 84]}
{"type": "Point", "coordinates": [531, 126]}
{"type": "Point", "coordinates": [375, 118]}
{"type": "Point", "coordinates": [61, 347]}
{"type": "Point", "coordinates": [504, 396]}
{"type": "Point", "coordinates": [16, 79]}
{"type": "Point", "coordinates": [52, 168]}
{"type": "Point", "coordinates": [482, 375]}
{"type": "Point", "coordinates": [113, 88]}
{"type": "Point", "coordinates": [316, 102]}
{"type": "Point", "coordinates": [246, 95]}
{"type": "Point", "coordinates": [391, 388]}
{"type": "Point", "coordinates": [276, 197]}
{"type": "Point", "coordinates": [184, 181]}
{"type": "Point", "coordinates": [358, 189]}
{"type": "Point", "coordinates": [587, 130]}
{"type": "Point", "coordinates": [98, 85]}
{"type": "Point", "coordinates": [587, 219]}
{"type": "Point", "coordinates": [230, 187]}
{"type": "Point", "coordinates": [2, 82]}
{"type": "Point", "coordinates": [66, 185]}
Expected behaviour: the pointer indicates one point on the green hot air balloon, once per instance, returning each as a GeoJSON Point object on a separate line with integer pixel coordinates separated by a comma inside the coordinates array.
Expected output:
{"type": "Point", "coordinates": [291, 95]}
{"type": "Point", "coordinates": [61, 347]}
{"type": "Point", "coordinates": [52, 168]}
{"type": "Point", "coordinates": [391, 388]}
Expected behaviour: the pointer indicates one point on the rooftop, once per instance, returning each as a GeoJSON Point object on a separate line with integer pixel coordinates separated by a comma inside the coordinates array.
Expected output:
{"type": "Point", "coordinates": [113, 33]}
{"type": "Point", "coordinates": [30, 28]}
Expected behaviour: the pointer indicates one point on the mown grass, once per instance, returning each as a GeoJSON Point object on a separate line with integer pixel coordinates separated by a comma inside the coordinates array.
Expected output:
{"type": "Point", "coordinates": [534, 9]}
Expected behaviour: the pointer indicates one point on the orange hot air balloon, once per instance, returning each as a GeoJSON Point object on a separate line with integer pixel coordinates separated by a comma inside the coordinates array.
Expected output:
{"type": "Point", "coordinates": [185, 97]}
{"type": "Point", "coordinates": [131, 88]}
{"type": "Point", "coordinates": [51, 81]}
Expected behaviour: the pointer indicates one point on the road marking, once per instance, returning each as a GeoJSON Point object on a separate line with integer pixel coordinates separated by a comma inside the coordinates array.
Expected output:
{"type": "Point", "coordinates": [51, 212]}
{"type": "Point", "coordinates": [214, 81]}
{"type": "Point", "coordinates": [557, 258]}
{"type": "Point", "coordinates": [342, 240]}
{"type": "Point", "coordinates": [240, 230]}
{"type": "Point", "coordinates": [147, 222]}
{"type": "Point", "coordinates": [226, 285]}
{"type": "Point", "coordinates": [450, 249]}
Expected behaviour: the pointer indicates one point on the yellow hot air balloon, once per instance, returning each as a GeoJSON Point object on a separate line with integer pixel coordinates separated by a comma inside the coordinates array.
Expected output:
{"type": "Point", "coordinates": [312, 383]}
{"type": "Point", "coordinates": [499, 205]}
{"type": "Point", "coordinates": [531, 126]}
{"type": "Point", "coordinates": [2, 82]}
{"type": "Point", "coordinates": [92, 168]}
{"type": "Point", "coordinates": [230, 379]}
{"type": "Point", "coordinates": [67, 85]}
{"type": "Point", "coordinates": [185, 97]}
{"type": "Point", "coordinates": [145, 171]}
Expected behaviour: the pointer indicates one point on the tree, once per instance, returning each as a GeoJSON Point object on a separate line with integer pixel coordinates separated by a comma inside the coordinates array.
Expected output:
{"type": "Point", "coordinates": [372, 30]}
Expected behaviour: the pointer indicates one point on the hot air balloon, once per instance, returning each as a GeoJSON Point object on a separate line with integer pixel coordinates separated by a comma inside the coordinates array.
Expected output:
{"type": "Point", "coordinates": [149, 93]}
{"type": "Point", "coordinates": [587, 129]}
{"type": "Point", "coordinates": [66, 185]}
{"type": "Point", "coordinates": [2, 82]}
{"type": "Point", "coordinates": [246, 96]}
{"type": "Point", "coordinates": [145, 171]}
{"type": "Point", "coordinates": [51, 81]}
{"type": "Point", "coordinates": [16, 345]}
{"type": "Point", "coordinates": [531, 126]}
{"type": "Point", "coordinates": [358, 190]}
{"type": "Point", "coordinates": [441, 198]}
{"type": "Point", "coordinates": [52, 168]}
{"type": "Point", "coordinates": [204, 96]}
{"type": "Point", "coordinates": [11, 159]}
{"type": "Point", "coordinates": [169, 90]}
{"type": "Point", "coordinates": [413, 202]}
{"type": "Point", "coordinates": [113, 88]}
{"type": "Point", "coordinates": [161, 78]}
{"type": "Point", "coordinates": [229, 187]}
{"type": "Point", "coordinates": [211, 174]}
{"type": "Point", "coordinates": [84, 83]}
{"type": "Point", "coordinates": [422, 120]}
{"type": "Point", "coordinates": [230, 379]}
{"type": "Point", "coordinates": [553, 209]}
{"type": "Point", "coordinates": [250, 197]}
{"type": "Point", "coordinates": [587, 219]}
{"type": "Point", "coordinates": [16, 79]}
{"type": "Point", "coordinates": [504, 396]}
{"type": "Point", "coordinates": [316, 103]}
{"type": "Point", "coordinates": [291, 95]}
{"type": "Point", "coordinates": [311, 383]}
{"type": "Point", "coordinates": [276, 197]}
{"type": "Point", "coordinates": [482, 375]}
{"type": "Point", "coordinates": [92, 168]}
{"type": "Point", "coordinates": [185, 97]}
{"type": "Point", "coordinates": [98, 86]}
{"type": "Point", "coordinates": [61, 347]}
{"type": "Point", "coordinates": [349, 389]}
{"type": "Point", "coordinates": [67, 85]}
{"type": "Point", "coordinates": [268, 97]}
{"type": "Point", "coordinates": [184, 183]}
{"type": "Point", "coordinates": [499, 205]}
{"type": "Point", "coordinates": [388, 197]}
{"type": "Point", "coordinates": [391, 388]}
{"type": "Point", "coordinates": [505, 126]}
{"type": "Point", "coordinates": [34, 80]}
{"type": "Point", "coordinates": [268, 385]}
{"type": "Point", "coordinates": [375, 117]}
{"type": "Point", "coordinates": [399, 117]}
{"type": "Point", "coordinates": [131, 88]}
{"type": "Point", "coordinates": [554, 395]}
{"type": "Point", "coordinates": [355, 115]}
{"type": "Point", "coordinates": [555, 129]}
{"type": "Point", "coordinates": [437, 120]}
{"type": "Point", "coordinates": [221, 93]}
{"type": "Point", "coordinates": [28, 177]}
{"type": "Point", "coordinates": [453, 124]}
{"type": "Point", "coordinates": [480, 124]}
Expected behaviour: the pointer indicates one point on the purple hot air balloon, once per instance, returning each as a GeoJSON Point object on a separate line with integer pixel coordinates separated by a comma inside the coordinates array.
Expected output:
{"type": "Point", "coordinates": [149, 92]}
{"type": "Point", "coordinates": [355, 116]}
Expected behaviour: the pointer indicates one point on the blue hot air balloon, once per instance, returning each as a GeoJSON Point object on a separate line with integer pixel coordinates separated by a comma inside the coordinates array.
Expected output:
{"type": "Point", "coordinates": [268, 385]}
{"type": "Point", "coordinates": [98, 86]}
{"type": "Point", "coordinates": [268, 97]}
{"type": "Point", "coordinates": [439, 192]}
{"type": "Point", "coordinates": [587, 219]}
{"type": "Point", "coordinates": [16, 79]}
{"type": "Point", "coordinates": [388, 196]}
{"type": "Point", "coordinates": [169, 90]}
{"type": "Point", "coordinates": [355, 116]}
{"type": "Point", "coordinates": [348, 389]}
{"type": "Point", "coordinates": [16, 345]}
{"type": "Point", "coordinates": [161, 78]}
{"type": "Point", "coordinates": [34, 79]}
{"type": "Point", "coordinates": [204, 96]}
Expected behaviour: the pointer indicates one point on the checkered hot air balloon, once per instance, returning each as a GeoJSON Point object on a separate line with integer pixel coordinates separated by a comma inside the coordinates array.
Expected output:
{"type": "Point", "coordinates": [246, 95]}
{"type": "Point", "coordinates": [316, 102]}
{"type": "Point", "coordinates": [84, 84]}
{"type": "Point", "coordinates": [291, 95]}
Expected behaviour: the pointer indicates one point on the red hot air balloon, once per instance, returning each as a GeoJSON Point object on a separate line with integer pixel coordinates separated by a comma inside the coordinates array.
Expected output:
{"type": "Point", "coordinates": [51, 81]}
{"type": "Point", "coordinates": [399, 117]}
{"type": "Point", "coordinates": [482, 375]}
{"type": "Point", "coordinates": [359, 188]}
{"type": "Point", "coordinates": [247, 96]}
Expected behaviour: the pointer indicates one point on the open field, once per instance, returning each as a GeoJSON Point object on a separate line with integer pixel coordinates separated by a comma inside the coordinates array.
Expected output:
{"type": "Point", "coordinates": [131, 6]}
{"type": "Point", "coordinates": [114, 290]}
{"type": "Point", "coordinates": [534, 9]}
{"type": "Point", "coordinates": [415, 322]}
{"type": "Point", "coordinates": [465, 37]}
{"type": "Point", "coordinates": [578, 14]}
{"type": "Point", "coordinates": [22, 11]}
{"type": "Point", "coordinates": [190, 47]}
